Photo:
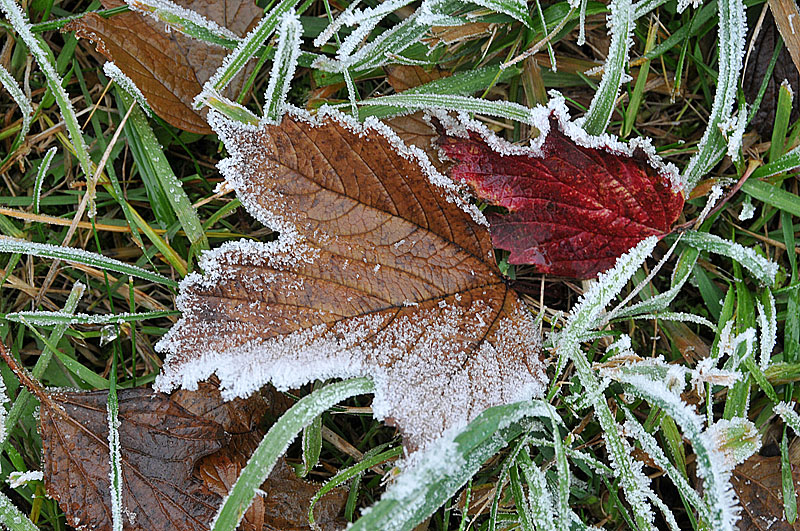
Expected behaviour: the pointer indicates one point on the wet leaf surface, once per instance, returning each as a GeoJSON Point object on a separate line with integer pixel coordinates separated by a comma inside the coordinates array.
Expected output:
{"type": "Point", "coordinates": [160, 444]}
{"type": "Point", "coordinates": [757, 483]}
{"type": "Point", "coordinates": [378, 272]}
{"type": "Point", "coordinates": [168, 67]}
{"type": "Point", "coordinates": [572, 209]}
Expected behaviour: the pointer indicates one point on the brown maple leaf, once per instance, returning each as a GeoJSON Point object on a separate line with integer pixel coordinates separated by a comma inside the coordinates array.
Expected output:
{"type": "Point", "coordinates": [168, 67]}
{"type": "Point", "coordinates": [575, 202]}
{"type": "Point", "coordinates": [757, 483]}
{"type": "Point", "coordinates": [381, 270]}
{"type": "Point", "coordinates": [160, 442]}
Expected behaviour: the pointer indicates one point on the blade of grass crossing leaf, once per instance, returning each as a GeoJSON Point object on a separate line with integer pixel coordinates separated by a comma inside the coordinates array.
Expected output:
{"type": "Point", "coordinates": [731, 43]}
{"type": "Point", "coordinates": [783, 112]}
{"type": "Point", "coordinates": [44, 359]}
{"type": "Point", "coordinates": [787, 482]}
{"type": "Point", "coordinates": [283, 66]}
{"type": "Point", "coordinates": [412, 102]}
{"type": "Point", "coordinates": [152, 159]}
{"type": "Point", "coordinates": [114, 455]}
{"type": "Point", "coordinates": [22, 26]}
{"type": "Point", "coordinates": [247, 48]}
{"type": "Point", "coordinates": [274, 444]}
{"type": "Point", "coordinates": [73, 255]}
{"type": "Point", "coordinates": [40, 175]}
{"type": "Point", "coordinates": [229, 108]}
{"type": "Point", "coordinates": [605, 99]}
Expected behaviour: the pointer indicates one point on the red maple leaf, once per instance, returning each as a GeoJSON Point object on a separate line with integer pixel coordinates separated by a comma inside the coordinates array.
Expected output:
{"type": "Point", "coordinates": [575, 203]}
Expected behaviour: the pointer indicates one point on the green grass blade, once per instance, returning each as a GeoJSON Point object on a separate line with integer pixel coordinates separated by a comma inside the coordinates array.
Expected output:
{"type": "Point", "coordinates": [605, 99]}
{"type": "Point", "coordinates": [22, 26]}
{"type": "Point", "coordinates": [439, 471]}
{"type": "Point", "coordinates": [412, 102]}
{"type": "Point", "coordinates": [63, 318]}
{"type": "Point", "coordinates": [774, 195]}
{"type": "Point", "coordinates": [783, 112]}
{"type": "Point", "coordinates": [516, 9]}
{"type": "Point", "coordinates": [713, 145]}
{"type": "Point", "coordinates": [349, 473]}
{"type": "Point", "coordinates": [274, 444]}
{"type": "Point", "coordinates": [154, 165]}
{"type": "Point", "coordinates": [283, 67]}
{"type": "Point", "coordinates": [41, 172]}
{"type": "Point", "coordinates": [79, 256]}
{"type": "Point", "coordinates": [25, 108]}
{"type": "Point", "coordinates": [44, 359]}
{"type": "Point", "coordinates": [13, 518]}
{"type": "Point", "coordinates": [787, 482]}
{"type": "Point", "coordinates": [761, 268]}
{"type": "Point", "coordinates": [632, 111]}
{"type": "Point", "coordinates": [247, 48]}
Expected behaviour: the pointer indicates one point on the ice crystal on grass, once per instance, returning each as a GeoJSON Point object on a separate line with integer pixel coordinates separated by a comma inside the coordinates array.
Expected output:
{"type": "Point", "coordinates": [381, 269]}
{"type": "Point", "coordinates": [154, 7]}
{"type": "Point", "coordinates": [18, 479]}
{"type": "Point", "coordinates": [768, 323]}
{"type": "Point", "coordinates": [118, 76]}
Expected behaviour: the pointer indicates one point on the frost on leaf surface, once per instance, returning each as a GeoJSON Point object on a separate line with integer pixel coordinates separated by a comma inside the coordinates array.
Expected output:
{"type": "Point", "coordinates": [575, 202]}
{"type": "Point", "coordinates": [380, 270]}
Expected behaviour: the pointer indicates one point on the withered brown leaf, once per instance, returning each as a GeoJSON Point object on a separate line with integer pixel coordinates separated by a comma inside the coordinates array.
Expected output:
{"type": "Point", "coordinates": [160, 442]}
{"type": "Point", "coordinates": [381, 270]}
{"type": "Point", "coordinates": [284, 504]}
{"type": "Point", "coordinates": [757, 483]}
{"type": "Point", "coordinates": [168, 67]}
